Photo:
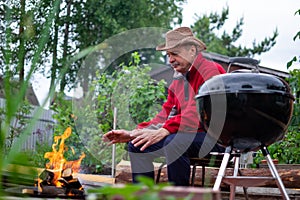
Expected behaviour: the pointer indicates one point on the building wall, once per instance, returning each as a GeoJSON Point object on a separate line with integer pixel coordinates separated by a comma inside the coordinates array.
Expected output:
{"type": "Point", "coordinates": [41, 132]}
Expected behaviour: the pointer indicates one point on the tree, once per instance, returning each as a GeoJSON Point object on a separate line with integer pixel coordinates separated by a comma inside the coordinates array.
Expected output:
{"type": "Point", "coordinates": [100, 20]}
{"type": "Point", "coordinates": [65, 46]}
{"type": "Point", "coordinates": [78, 24]}
{"type": "Point", "coordinates": [58, 48]}
{"type": "Point", "coordinates": [24, 34]}
{"type": "Point", "coordinates": [297, 36]}
{"type": "Point", "coordinates": [206, 26]}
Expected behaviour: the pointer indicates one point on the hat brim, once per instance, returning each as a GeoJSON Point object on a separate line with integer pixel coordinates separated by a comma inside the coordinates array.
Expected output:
{"type": "Point", "coordinates": [163, 47]}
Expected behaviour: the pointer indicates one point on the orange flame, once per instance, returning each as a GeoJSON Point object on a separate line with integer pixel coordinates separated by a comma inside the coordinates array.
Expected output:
{"type": "Point", "coordinates": [57, 163]}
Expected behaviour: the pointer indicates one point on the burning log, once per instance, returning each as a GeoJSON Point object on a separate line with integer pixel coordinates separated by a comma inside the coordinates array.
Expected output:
{"type": "Point", "coordinates": [47, 177]}
{"type": "Point", "coordinates": [57, 179]}
{"type": "Point", "coordinates": [67, 174]}
{"type": "Point", "coordinates": [53, 191]}
{"type": "Point", "coordinates": [66, 185]}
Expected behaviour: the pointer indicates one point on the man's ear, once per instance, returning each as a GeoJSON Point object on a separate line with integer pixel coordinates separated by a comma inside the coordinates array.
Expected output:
{"type": "Point", "coordinates": [193, 50]}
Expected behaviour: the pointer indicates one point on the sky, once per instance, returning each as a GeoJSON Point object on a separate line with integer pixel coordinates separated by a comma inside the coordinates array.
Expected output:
{"type": "Point", "coordinates": [261, 18]}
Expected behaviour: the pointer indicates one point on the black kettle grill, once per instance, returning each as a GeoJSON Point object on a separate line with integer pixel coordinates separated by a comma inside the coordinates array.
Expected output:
{"type": "Point", "coordinates": [245, 111]}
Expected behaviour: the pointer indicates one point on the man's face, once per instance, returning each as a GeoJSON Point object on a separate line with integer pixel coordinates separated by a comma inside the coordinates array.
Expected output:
{"type": "Point", "coordinates": [181, 58]}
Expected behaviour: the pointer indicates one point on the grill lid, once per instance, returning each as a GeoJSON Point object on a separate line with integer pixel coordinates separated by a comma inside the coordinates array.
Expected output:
{"type": "Point", "coordinates": [244, 81]}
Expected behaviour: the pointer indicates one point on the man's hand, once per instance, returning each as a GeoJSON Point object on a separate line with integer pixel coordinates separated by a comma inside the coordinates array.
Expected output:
{"type": "Point", "coordinates": [147, 137]}
{"type": "Point", "coordinates": [117, 136]}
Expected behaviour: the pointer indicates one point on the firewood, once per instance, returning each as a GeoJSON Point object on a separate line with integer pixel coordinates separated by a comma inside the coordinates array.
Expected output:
{"type": "Point", "coordinates": [27, 191]}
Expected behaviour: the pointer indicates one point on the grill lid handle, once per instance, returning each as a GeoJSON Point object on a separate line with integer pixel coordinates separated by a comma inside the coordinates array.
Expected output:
{"type": "Point", "coordinates": [243, 60]}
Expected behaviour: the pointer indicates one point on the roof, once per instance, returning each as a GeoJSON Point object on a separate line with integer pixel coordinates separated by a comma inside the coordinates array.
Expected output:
{"type": "Point", "coordinates": [30, 94]}
{"type": "Point", "coordinates": [166, 72]}
{"type": "Point", "coordinates": [225, 59]}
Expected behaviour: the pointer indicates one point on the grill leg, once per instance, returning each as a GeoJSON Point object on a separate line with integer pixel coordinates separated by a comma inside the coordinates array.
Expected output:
{"type": "Point", "coordinates": [235, 173]}
{"type": "Point", "coordinates": [275, 173]}
{"type": "Point", "coordinates": [222, 169]}
{"type": "Point", "coordinates": [244, 188]}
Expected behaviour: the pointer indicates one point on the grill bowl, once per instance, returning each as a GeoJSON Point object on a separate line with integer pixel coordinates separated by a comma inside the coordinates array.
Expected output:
{"type": "Point", "coordinates": [245, 110]}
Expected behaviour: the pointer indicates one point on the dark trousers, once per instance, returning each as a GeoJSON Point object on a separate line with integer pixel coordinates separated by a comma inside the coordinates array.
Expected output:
{"type": "Point", "coordinates": [176, 148]}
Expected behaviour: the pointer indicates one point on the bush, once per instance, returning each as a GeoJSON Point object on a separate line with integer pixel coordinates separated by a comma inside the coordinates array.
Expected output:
{"type": "Point", "coordinates": [132, 91]}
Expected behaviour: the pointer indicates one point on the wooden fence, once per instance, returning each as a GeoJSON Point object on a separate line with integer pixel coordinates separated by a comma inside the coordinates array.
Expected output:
{"type": "Point", "coordinates": [42, 131]}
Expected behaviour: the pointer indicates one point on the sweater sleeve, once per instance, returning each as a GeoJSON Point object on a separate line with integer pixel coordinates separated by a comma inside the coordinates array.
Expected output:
{"type": "Point", "coordinates": [160, 119]}
{"type": "Point", "coordinates": [186, 121]}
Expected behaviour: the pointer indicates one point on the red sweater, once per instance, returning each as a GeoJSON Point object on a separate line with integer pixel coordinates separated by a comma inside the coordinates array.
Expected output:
{"type": "Point", "coordinates": [179, 112]}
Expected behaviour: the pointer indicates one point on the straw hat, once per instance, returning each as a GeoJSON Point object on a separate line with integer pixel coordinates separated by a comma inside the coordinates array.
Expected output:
{"type": "Point", "coordinates": [180, 36]}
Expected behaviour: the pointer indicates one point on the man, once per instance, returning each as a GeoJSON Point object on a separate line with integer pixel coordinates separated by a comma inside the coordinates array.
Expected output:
{"type": "Point", "coordinates": [175, 132]}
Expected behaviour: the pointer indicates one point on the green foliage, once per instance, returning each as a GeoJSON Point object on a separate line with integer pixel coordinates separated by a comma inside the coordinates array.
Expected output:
{"type": "Point", "coordinates": [36, 158]}
{"type": "Point", "coordinates": [18, 124]}
{"type": "Point", "coordinates": [64, 118]}
{"type": "Point", "coordinates": [144, 92]}
{"type": "Point", "coordinates": [146, 189]}
{"type": "Point", "coordinates": [289, 64]}
{"type": "Point", "coordinates": [89, 130]}
{"type": "Point", "coordinates": [74, 26]}
{"type": "Point", "coordinates": [207, 26]}
{"type": "Point", "coordinates": [62, 113]}
{"type": "Point", "coordinates": [297, 36]}
{"type": "Point", "coordinates": [131, 91]}
{"type": "Point", "coordinates": [12, 55]}
{"type": "Point", "coordinates": [96, 21]}
{"type": "Point", "coordinates": [294, 82]}
{"type": "Point", "coordinates": [287, 150]}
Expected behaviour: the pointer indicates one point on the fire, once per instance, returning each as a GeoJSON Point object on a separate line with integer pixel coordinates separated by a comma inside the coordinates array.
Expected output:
{"type": "Point", "coordinates": [57, 162]}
